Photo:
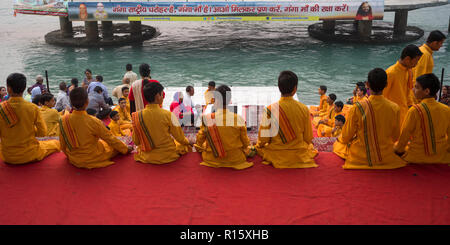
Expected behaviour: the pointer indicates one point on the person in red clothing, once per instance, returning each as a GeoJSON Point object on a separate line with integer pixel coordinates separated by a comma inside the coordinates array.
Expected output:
{"type": "Point", "coordinates": [181, 111]}
{"type": "Point", "coordinates": [364, 12]}
{"type": "Point", "coordinates": [136, 95]}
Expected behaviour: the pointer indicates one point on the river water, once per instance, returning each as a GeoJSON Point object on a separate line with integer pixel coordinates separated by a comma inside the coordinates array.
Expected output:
{"type": "Point", "coordinates": [237, 54]}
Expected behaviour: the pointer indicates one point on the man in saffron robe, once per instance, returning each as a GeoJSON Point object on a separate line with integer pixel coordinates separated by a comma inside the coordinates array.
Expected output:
{"type": "Point", "coordinates": [427, 126]}
{"type": "Point", "coordinates": [371, 128]}
{"type": "Point", "coordinates": [425, 65]}
{"type": "Point", "coordinates": [323, 106]}
{"type": "Point", "coordinates": [401, 79]}
{"type": "Point", "coordinates": [156, 131]}
{"type": "Point", "coordinates": [330, 101]}
{"type": "Point", "coordinates": [222, 138]}
{"type": "Point", "coordinates": [51, 116]}
{"type": "Point", "coordinates": [20, 124]}
{"type": "Point", "coordinates": [84, 139]}
{"type": "Point", "coordinates": [285, 135]}
{"type": "Point", "coordinates": [209, 93]}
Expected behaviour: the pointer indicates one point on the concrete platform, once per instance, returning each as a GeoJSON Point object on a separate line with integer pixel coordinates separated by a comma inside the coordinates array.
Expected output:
{"type": "Point", "coordinates": [394, 5]}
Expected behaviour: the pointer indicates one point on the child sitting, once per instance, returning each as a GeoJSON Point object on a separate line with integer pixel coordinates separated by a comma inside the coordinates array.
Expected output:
{"type": "Point", "coordinates": [314, 110]}
{"type": "Point", "coordinates": [51, 116]}
{"type": "Point", "coordinates": [115, 127]}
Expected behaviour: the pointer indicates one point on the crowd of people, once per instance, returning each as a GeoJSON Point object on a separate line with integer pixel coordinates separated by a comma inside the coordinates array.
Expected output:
{"type": "Point", "coordinates": [393, 119]}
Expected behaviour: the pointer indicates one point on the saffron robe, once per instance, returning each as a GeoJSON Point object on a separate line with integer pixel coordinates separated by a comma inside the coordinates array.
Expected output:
{"type": "Point", "coordinates": [298, 153]}
{"type": "Point", "coordinates": [209, 97]}
{"type": "Point", "coordinates": [51, 118]}
{"type": "Point", "coordinates": [161, 125]}
{"type": "Point", "coordinates": [323, 116]}
{"type": "Point", "coordinates": [369, 133]}
{"type": "Point", "coordinates": [399, 88]}
{"type": "Point", "coordinates": [323, 106]}
{"type": "Point", "coordinates": [93, 144]}
{"type": "Point", "coordinates": [229, 137]}
{"type": "Point", "coordinates": [20, 123]}
{"type": "Point", "coordinates": [427, 127]}
{"type": "Point", "coordinates": [117, 130]}
{"type": "Point", "coordinates": [426, 63]}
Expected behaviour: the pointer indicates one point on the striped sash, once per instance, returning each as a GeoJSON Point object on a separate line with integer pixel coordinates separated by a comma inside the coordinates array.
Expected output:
{"type": "Point", "coordinates": [8, 114]}
{"type": "Point", "coordinates": [213, 136]}
{"type": "Point", "coordinates": [370, 132]}
{"type": "Point", "coordinates": [426, 123]}
{"type": "Point", "coordinates": [281, 122]}
{"type": "Point", "coordinates": [67, 132]}
{"type": "Point", "coordinates": [141, 132]}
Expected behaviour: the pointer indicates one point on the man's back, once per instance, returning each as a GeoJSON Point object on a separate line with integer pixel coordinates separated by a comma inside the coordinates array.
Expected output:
{"type": "Point", "coordinates": [96, 101]}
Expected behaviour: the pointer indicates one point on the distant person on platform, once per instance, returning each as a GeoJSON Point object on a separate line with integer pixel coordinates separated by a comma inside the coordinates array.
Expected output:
{"type": "Point", "coordinates": [400, 80]}
{"type": "Point", "coordinates": [222, 138]}
{"type": "Point", "coordinates": [156, 132]}
{"type": "Point", "coordinates": [136, 95]}
{"type": "Point", "coordinates": [39, 83]}
{"type": "Point", "coordinates": [84, 139]}
{"type": "Point", "coordinates": [87, 79]}
{"type": "Point", "coordinates": [99, 82]}
{"type": "Point", "coordinates": [62, 99]}
{"type": "Point", "coordinates": [97, 102]}
{"type": "Point", "coordinates": [117, 91]}
{"type": "Point", "coordinates": [425, 135]}
{"type": "Point", "coordinates": [364, 12]}
{"type": "Point", "coordinates": [445, 96]}
{"type": "Point", "coordinates": [371, 129]}
{"type": "Point", "coordinates": [20, 124]}
{"type": "Point", "coordinates": [130, 74]}
{"type": "Point", "coordinates": [285, 135]}
{"type": "Point", "coordinates": [425, 65]}
{"type": "Point", "coordinates": [209, 93]}
{"type": "Point", "coordinates": [190, 104]}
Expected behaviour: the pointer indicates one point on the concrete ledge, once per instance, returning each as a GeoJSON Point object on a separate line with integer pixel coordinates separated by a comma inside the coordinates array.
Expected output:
{"type": "Point", "coordinates": [394, 5]}
{"type": "Point", "coordinates": [121, 37]}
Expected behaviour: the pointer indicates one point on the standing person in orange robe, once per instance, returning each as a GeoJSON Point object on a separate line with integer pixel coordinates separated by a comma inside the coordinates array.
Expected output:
{"type": "Point", "coordinates": [401, 79]}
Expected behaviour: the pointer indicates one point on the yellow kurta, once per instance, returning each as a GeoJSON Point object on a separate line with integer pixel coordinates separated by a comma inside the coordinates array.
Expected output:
{"type": "Point", "coordinates": [298, 153]}
{"type": "Point", "coordinates": [399, 88]}
{"type": "Point", "coordinates": [97, 144]}
{"type": "Point", "coordinates": [128, 103]}
{"type": "Point", "coordinates": [233, 133]}
{"type": "Point", "coordinates": [426, 63]}
{"type": "Point", "coordinates": [51, 118]}
{"type": "Point", "coordinates": [314, 110]}
{"type": "Point", "coordinates": [322, 115]}
{"type": "Point", "coordinates": [412, 130]}
{"type": "Point", "coordinates": [18, 143]}
{"type": "Point", "coordinates": [209, 97]}
{"type": "Point", "coordinates": [162, 126]}
{"type": "Point", "coordinates": [115, 129]}
{"type": "Point", "coordinates": [387, 132]}
{"type": "Point", "coordinates": [124, 114]}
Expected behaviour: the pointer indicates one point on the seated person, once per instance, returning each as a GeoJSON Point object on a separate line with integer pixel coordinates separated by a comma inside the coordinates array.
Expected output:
{"type": "Point", "coordinates": [323, 108]}
{"type": "Point", "coordinates": [156, 131]}
{"type": "Point", "coordinates": [20, 124]}
{"type": "Point", "coordinates": [339, 121]}
{"type": "Point", "coordinates": [51, 116]}
{"type": "Point", "coordinates": [84, 139]}
{"type": "Point", "coordinates": [330, 105]}
{"type": "Point", "coordinates": [285, 135]}
{"type": "Point", "coordinates": [97, 103]}
{"type": "Point", "coordinates": [371, 128]}
{"type": "Point", "coordinates": [353, 99]}
{"type": "Point", "coordinates": [326, 125]}
{"type": "Point", "coordinates": [222, 138]}
{"type": "Point", "coordinates": [123, 111]}
{"type": "Point", "coordinates": [37, 100]}
{"type": "Point", "coordinates": [178, 108]}
{"type": "Point", "coordinates": [114, 125]}
{"type": "Point", "coordinates": [125, 92]}
{"type": "Point", "coordinates": [426, 126]}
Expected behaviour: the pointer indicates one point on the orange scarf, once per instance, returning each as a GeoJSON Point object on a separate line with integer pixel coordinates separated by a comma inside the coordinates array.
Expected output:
{"type": "Point", "coordinates": [370, 132]}
{"type": "Point", "coordinates": [67, 132]}
{"type": "Point", "coordinates": [426, 123]}
{"type": "Point", "coordinates": [213, 136]}
{"type": "Point", "coordinates": [141, 131]}
{"type": "Point", "coordinates": [8, 114]}
{"type": "Point", "coordinates": [281, 121]}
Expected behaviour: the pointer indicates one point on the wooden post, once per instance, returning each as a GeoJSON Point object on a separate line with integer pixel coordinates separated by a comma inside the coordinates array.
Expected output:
{"type": "Point", "coordinates": [107, 29]}
{"type": "Point", "coordinates": [91, 28]}
{"type": "Point", "coordinates": [65, 26]}
{"type": "Point", "coordinates": [364, 28]}
{"type": "Point", "coordinates": [329, 26]}
{"type": "Point", "coordinates": [400, 22]}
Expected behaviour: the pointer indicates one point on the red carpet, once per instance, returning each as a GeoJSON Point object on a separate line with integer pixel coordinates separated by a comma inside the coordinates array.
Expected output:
{"type": "Point", "coordinates": [55, 192]}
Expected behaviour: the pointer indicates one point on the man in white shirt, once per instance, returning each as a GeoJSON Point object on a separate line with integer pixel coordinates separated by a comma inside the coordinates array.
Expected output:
{"type": "Point", "coordinates": [129, 74]}
{"type": "Point", "coordinates": [62, 99]}
{"type": "Point", "coordinates": [189, 102]}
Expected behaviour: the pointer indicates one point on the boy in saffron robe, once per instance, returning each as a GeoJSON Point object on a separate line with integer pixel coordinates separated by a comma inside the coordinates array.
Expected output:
{"type": "Point", "coordinates": [115, 127]}
{"type": "Point", "coordinates": [330, 103]}
{"type": "Point", "coordinates": [327, 124]}
{"type": "Point", "coordinates": [51, 116]}
{"type": "Point", "coordinates": [20, 124]}
{"type": "Point", "coordinates": [222, 137]}
{"type": "Point", "coordinates": [426, 126]}
{"type": "Point", "coordinates": [425, 65]}
{"type": "Point", "coordinates": [156, 131]}
{"type": "Point", "coordinates": [323, 106]}
{"type": "Point", "coordinates": [371, 129]}
{"type": "Point", "coordinates": [285, 135]}
{"type": "Point", "coordinates": [209, 93]}
{"type": "Point", "coordinates": [84, 139]}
